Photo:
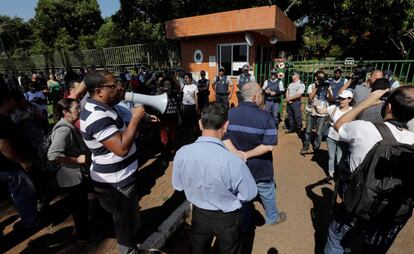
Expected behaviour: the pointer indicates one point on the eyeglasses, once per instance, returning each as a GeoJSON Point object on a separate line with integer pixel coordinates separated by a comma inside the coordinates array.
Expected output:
{"type": "Point", "coordinates": [114, 85]}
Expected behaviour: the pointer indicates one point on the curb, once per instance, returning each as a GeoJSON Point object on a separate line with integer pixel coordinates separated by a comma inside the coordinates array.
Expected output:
{"type": "Point", "coordinates": [157, 239]}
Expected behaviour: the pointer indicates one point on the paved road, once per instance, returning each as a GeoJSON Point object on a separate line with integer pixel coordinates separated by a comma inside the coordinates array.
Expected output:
{"type": "Point", "coordinates": [298, 193]}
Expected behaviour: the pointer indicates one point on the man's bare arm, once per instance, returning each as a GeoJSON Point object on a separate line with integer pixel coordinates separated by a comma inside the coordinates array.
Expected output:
{"type": "Point", "coordinates": [121, 142]}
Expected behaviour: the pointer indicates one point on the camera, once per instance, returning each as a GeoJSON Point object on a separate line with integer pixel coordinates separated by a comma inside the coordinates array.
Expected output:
{"type": "Point", "coordinates": [321, 80]}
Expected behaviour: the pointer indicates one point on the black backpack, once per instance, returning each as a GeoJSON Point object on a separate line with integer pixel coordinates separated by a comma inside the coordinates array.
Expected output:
{"type": "Point", "coordinates": [381, 189]}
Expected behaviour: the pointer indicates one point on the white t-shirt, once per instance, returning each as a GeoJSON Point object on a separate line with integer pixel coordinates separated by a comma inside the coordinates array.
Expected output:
{"type": "Point", "coordinates": [333, 134]}
{"type": "Point", "coordinates": [363, 135]}
{"type": "Point", "coordinates": [189, 94]}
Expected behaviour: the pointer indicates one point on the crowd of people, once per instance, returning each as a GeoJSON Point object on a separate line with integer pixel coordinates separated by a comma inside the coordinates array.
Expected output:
{"type": "Point", "coordinates": [93, 145]}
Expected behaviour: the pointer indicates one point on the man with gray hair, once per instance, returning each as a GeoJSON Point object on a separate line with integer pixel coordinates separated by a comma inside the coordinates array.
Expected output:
{"type": "Point", "coordinates": [294, 94]}
{"type": "Point", "coordinates": [252, 134]}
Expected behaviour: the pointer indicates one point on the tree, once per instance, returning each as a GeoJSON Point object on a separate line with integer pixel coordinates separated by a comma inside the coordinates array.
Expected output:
{"type": "Point", "coordinates": [15, 36]}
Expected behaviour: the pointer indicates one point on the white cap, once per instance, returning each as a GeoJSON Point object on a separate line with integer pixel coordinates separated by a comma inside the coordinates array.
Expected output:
{"type": "Point", "coordinates": [346, 94]}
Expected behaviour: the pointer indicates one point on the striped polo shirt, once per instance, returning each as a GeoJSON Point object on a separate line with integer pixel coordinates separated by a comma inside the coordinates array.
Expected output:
{"type": "Point", "coordinates": [99, 122]}
{"type": "Point", "coordinates": [249, 126]}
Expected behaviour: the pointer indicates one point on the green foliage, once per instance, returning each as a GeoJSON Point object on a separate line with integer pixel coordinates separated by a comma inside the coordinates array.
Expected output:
{"type": "Point", "coordinates": [107, 35]}
{"type": "Point", "coordinates": [15, 36]}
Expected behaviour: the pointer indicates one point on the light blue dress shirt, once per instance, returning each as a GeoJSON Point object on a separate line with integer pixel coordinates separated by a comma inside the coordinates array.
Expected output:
{"type": "Point", "coordinates": [212, 177]}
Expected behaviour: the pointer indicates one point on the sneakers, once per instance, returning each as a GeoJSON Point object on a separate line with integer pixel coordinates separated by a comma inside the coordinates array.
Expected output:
{"type": "Point", "coordinates": [304, 150]}
{"type": "Point", "coordinates": [282, 218]}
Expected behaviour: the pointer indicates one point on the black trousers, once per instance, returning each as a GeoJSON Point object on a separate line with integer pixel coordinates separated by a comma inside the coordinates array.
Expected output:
{"type": "Point", "coordinates": [207, 224]}
{"type": "Point", "coordinates": [78, 201]}
{"type": "Point", "coordinates": [122, 203]}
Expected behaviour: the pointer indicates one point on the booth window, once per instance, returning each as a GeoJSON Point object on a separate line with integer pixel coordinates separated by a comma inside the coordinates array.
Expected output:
{"type": "Point", "coordinates": [232, 57]}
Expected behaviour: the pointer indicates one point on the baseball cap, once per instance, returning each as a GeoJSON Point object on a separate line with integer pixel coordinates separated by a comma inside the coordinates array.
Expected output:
{"type": "Point", "coordinates": [346, 94]}
{"type": "Point", "coordinates": [221, 68]}
{"type": "Point", "coordinates": [338, 69]}
{"type": "Point", "coordinates": [245, 67]}
{"type": "Point", "coordinates": [273, 71]}
{"type": "Point", "coordinates": [202, 73]}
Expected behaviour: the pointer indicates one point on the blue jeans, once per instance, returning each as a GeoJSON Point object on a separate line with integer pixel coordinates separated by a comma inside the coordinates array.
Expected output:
{"type": "Point", "coordinates": [267, 193]}
{"type": "Point", "coordinates": [336, 232]}
{"type": "Point", "coordinates": [295, 115]}
{"type": "Point", "coordinates": [23, 194]}
{"type": "Point", "coordinates": [335, 154]}
{"type": "Point", "coordinates": [273, 108]}
{"type": "Point", "coordinates": [362, 239]}
{"type": "Point", "coordinates": [311, 122]}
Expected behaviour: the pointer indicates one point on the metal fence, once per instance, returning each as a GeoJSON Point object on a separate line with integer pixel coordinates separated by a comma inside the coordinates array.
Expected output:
{"type": "Point", "coordinates": [160, 55]}
{"type": "Point", "coordinates": [403, 69]}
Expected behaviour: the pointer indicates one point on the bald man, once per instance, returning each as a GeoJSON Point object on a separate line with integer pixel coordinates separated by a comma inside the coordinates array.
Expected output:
{"type": "Point", "coordinates": [252, 135]}
{"type": "Point", "coordinates": [362, 91]}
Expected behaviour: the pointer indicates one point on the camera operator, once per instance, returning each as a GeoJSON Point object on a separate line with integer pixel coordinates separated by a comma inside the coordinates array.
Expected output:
{"type": "Point", "coordinates": [319, 93]}
{"type": "Point", "coordinates": [360, 87]}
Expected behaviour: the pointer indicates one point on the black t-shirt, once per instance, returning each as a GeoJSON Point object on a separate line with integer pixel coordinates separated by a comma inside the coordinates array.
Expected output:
{"type": "Point", "coordinates": [10, 132]}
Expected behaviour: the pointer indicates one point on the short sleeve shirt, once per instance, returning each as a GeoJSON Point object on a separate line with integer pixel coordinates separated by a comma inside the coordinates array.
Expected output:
{"type": "Point", "coordinates": [249, 127]}
{"type": "Point", "coordinates": [100, 122]}
{"type": "Point", "coordinates": [189, 94]}
{"type": "Point", "coordinates": [363, 135]}
{"type": "Point", "coordinates": [296, 88]}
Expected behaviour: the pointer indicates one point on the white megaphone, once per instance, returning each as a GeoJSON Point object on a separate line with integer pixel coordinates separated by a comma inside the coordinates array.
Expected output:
{"type": "Point", "coordinates": [159, 102]}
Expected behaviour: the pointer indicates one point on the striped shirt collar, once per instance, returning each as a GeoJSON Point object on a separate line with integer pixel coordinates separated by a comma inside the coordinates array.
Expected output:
{"type": "Point", "coordinates": [98, 103]}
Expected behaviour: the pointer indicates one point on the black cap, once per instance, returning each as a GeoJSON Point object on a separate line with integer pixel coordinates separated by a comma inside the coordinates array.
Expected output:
{"type": "Point", "coordinates": [202, 73]}
{"type": "Point", "coordinates": [221, 68]}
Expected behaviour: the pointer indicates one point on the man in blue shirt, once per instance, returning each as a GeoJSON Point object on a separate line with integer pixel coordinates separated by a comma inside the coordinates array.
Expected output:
{"type": "Point", "coordinates": [216, 182]}
{"type": "Point", "coordinates": [252, 132]}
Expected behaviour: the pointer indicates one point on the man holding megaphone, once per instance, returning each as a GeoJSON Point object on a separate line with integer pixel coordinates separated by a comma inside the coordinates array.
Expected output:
{"type": "Point", "coordinates": [114, 163]}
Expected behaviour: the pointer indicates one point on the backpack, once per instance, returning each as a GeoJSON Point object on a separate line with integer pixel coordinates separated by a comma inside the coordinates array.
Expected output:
{"type": "Point", "coordinates": [381, 189]}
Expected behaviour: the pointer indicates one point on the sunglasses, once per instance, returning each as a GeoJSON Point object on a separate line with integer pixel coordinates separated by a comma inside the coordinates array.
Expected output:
{"type": "Point", "coordinates": [341, 99]}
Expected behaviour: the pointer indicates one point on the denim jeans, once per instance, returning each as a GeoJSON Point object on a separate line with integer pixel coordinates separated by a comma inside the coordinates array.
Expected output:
{"type": "Point", "coordinates": [336, 232]}
{"type": "Point", "coordinates": [122, 203]}
{"type": "Point", "coordinates": [295, 115]}
{"type": "Point", "coordinates": [273, 108]}
{"type": "Point", "coordinates": [316, 122]}
{"type": "Point", "coordinates": [267, 193]}
{"type": "Point", "coordinates": [335, 154]}
{"type": "Point", "coordinates": [23, 194]}
{"type": "Point", "coordinates": [346, 238]}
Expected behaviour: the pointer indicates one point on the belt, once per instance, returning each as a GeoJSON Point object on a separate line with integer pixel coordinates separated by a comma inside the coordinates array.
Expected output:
{"type": "Point", "coordinates": [217, 212]}
{"type": "Point", "coordinates": [222, 93]}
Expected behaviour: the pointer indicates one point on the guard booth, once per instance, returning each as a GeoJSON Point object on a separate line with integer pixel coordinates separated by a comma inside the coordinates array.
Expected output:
{"type": "Point", "coordinates": [230, 39]}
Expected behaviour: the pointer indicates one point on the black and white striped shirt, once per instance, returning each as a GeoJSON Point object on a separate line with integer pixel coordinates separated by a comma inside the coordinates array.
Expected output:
{"type": "Point", "coordinates": [99, 122]}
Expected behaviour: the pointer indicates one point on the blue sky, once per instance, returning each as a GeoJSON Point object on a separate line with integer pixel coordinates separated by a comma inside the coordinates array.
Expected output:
{"type": "Point", "coordinates": [25, 8]}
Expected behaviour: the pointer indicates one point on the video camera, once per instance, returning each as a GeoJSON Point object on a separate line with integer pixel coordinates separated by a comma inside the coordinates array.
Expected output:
{"type": "Point", "coordinates": [359, 74]}
{"type": "Point", "coordinates": [321, 80]}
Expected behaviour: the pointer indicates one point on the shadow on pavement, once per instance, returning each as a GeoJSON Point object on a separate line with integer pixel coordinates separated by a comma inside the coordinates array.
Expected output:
{"type": "Point", "coordinates": [320, 213]}
{"type": "Point", "coordinates": [148, 175]}
{"type": "Point", "coordinates": [50, 243]}
{"type": "Point", "coordinates": [321, 158]}
{"type": "Point", "coordinates": [272, 250]}
{"type": "Point", "coordinates": [152, 218]}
